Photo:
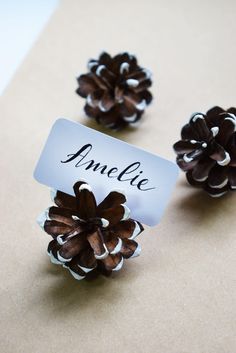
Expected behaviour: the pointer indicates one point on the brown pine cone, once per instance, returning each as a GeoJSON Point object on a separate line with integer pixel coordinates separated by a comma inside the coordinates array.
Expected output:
{"type": "Point", "coordinates": [116, 90]}
{"type": "Point", "coordinates": [207, 151]}
{"type": "Point", "coordinates": [87, 236]}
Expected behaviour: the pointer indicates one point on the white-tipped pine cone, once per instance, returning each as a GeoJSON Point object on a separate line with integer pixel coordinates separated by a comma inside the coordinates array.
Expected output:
{"type": "Point", "coordinates": [89, 237]}
{"type": "Point", "coordinates": [116, 90]}
{"type": "Point", "coordinates": [207, 150]}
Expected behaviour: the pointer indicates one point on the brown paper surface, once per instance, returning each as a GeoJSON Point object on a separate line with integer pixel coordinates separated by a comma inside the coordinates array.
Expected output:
{"type": "Point", "coordinates": [179, 296]}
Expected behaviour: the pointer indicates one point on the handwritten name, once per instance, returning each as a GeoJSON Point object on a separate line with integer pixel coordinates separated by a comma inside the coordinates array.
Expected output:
{"type": "Point", "coordinates": [131, 173]}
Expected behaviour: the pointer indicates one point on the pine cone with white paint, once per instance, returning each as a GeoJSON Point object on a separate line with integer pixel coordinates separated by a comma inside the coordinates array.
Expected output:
{"type": "Point", "coordinates": [89, 237]}
{"type": "Point", "coordinates": [207, 150]}
{"type": "Point", "coordinates": [116, 90]}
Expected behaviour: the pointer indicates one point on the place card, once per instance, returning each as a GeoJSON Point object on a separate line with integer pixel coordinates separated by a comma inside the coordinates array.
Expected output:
{"type": "Point", "coordinates": [74, 152]}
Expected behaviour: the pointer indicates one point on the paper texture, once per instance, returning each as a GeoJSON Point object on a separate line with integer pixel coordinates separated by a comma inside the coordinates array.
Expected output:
{"type": "Point", "coordinates": [179, 296]}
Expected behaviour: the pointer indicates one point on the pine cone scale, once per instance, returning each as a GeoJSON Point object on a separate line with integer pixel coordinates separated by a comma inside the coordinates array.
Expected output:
{"type": "Point", "coordinates": [72, 247]}
{"type": "Point", "coordinates": [63, 200]}
{"type": "Point", "coordinates": [86, 85]}
{"type": "Point", "coordinates": [226, 132]}
{"type": "Point", "coordinates": [188, 132]}
{"type": "Point", "coordinates": [76, 271]}
{"type": "Point", "coordinates": [129, 249]}
{"type": "Point", "coordinates": [213, 114]}
{"type": "Point", "coordinates": [201, 170]}
{"type": "Point", "coordinates": [113, 262]}
{"type": "Point", "coordinates": [139, 75]}
{"type": "Point", "coordinates": [85, 197]}
{"type": "Point", "coordinates": [218, 177]}
{"type": "Point", "coordinates": [232, 152]}
{"type": "Point", "coordinates": [113, 199]}
{"type": "Point", "coordinates": [198, 123]}
{"type": "Point", "coordinates": [102, 83]}
{"type": "Point", "coordinates": [104, 76]}
{"type": "Point", "coordinates": [232, 178]}
{"type": "Point", "coordinates": [86, 260]}
{"type": "Point", "coordinates": [115, 215]}
{"type": "Point", "coordinates": [61, 215]}
{"type": "Point", "coordinates": [55, 228]}
{"type": "Point", "coordinates": [142, 86]}
{"type": "Point", "coordinates": [129, 110]}
{"type": "Point", "coordinates": [114, 245]}
{"type": "Point", "coordinates": [219, 155]}
{"type": "Point", "coordinates": [232, 110]}
{"type": "Point", "coordinates": [128, 229]}
{"type": "Point", "coordinates": [106, 103]}
{"type": "Point", "coordinates": [132, 101]}
{"type": "Point", "coordinates": [109, 119]}
{"type": "Point", "coordinates": [96, 242]}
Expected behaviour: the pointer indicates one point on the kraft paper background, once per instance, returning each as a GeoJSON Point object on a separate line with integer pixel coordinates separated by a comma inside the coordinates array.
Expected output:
{"type": "Point", "coordinates": [180, 295]}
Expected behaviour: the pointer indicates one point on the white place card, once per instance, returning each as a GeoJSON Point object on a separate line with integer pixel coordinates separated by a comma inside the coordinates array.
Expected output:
{"type": "Point", "coordinates": [73, 152]}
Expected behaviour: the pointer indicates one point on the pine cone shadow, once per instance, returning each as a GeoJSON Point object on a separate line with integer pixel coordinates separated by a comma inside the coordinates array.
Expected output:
{"type": "Point", "coordinates": [199, 206]}
{"type": "Point", "coordinates": [66, 294]}
{"type": "Point", "coordinates": [122, 134]}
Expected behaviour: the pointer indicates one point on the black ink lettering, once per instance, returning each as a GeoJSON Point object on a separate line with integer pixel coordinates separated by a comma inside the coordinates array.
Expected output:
{"type": "Point", "coordinates": [79, 153]}
{"type": "Point", "coordinates": [112, 172]}
{"type": "Point", "coordinates": [136, 177]}
{"type": "Point", "coordinates": [95, 166]}
{"type": "Point", "coordinates": [128, 170]}
{"type": "Point", "coordinates": [143, 182]}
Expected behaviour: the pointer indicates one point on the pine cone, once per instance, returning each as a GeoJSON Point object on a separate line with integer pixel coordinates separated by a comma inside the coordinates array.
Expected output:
{"type": "Point", "coordinates": [207, 151]}
{"type": "Point", "coordinates": [87, 236]}
{"type": "Point", "coordinates": [116, 90]}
